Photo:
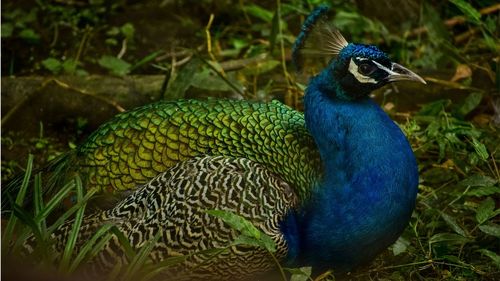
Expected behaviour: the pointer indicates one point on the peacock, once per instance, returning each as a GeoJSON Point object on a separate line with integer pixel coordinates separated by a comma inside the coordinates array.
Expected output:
{"type": "Point", "coordinates": [333, 186]}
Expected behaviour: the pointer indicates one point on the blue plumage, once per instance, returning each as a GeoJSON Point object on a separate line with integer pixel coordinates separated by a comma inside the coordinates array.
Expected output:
{"type": "Point", "coordinates": [370, 175]}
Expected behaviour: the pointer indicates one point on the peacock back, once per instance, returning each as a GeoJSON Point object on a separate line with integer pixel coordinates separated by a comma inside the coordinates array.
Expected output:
{"type": "Point", "coordinates": [135, 146]}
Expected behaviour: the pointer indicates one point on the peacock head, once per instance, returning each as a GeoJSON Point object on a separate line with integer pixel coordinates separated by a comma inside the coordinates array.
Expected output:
{"type": "Point", "coordinates": [360, 69]}
{"type": "Point", "coordinates": [355, 70]}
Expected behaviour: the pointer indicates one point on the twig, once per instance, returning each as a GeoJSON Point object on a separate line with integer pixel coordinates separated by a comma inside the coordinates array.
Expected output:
{"type": "Point", "coordinates": [56, 35]}
{"type": "Point", "coordinates": [466, 35]}
{"type": "Point", "coordinates": [181, 53]}
{"type": "Point", "coordinates": [241, 63]}
{"type": "Point", "coordinates": [282, 272]}
{"type": "Point", "coordinates": [453, 85]}
{"type": "Point", "coordinates": [222, 76]}
{"type": "Point", "coordinates": [209, 38]}
{"type": "Point", "coordinates": [83, 92]}
{"type": "Point", "coordinates": [123, 49]}
{"type": "Point", "coordinates": [16, 107]}
{"type": "Point", "coordinates": [494, 169]}
{"type": "Point", "coordinates": [182, 61]}
{"type": "Point", "coordinates": [80, 47]}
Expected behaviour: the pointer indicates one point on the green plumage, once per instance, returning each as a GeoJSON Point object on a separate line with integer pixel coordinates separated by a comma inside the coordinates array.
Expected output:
{"type": "Point", "coordinates": [135, 146]}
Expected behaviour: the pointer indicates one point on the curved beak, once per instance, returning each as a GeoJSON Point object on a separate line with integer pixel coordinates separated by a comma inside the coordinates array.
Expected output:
{"type": "Point", "coordinates": [400, 73]}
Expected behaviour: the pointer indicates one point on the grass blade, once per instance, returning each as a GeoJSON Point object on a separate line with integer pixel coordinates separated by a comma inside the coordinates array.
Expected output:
{"type": "Point", "coordinates": [38, 202]}
{"type": "Point", "coordinates": [9, 229]}
{"type": "Point", "coordinates": [71, 242]}
{"type": "Point", "coordinates": [69, 212]}
{"type": "Point", "coordinates": [55, 201]}
{"type": "Point", "coordinates": [92, 247]}
{"type": "Point", "coordinates": [125, 243]}
{"type": "Point", "coordinates": [141, 258]}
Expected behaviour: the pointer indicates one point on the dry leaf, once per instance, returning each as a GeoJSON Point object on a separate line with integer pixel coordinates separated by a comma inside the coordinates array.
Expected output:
{"type": "Point", "coordinates": [463, 71]}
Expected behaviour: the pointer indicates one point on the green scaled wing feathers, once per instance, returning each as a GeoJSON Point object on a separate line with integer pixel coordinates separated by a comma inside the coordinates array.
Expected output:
{"type": "Point", "coordinates": [137, 145]}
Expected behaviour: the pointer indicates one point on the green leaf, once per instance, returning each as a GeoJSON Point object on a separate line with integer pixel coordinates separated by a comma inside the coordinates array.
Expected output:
{"type": "Point", "coordinates": [492, 255]}
{"type": "Point", "coordinates": [7, 29]}
{"type": "Point", "coordinates": [300, 274]}
{"type": "Point", "coordinates": [480, 149]}
{"type": "Point", "coordinates": [179, 84]}
{"type": "Point", "coordinates": [236, 222]}
{"type": "Point", "coordinates": [267, 242]}
{"type": "Point", "coordinates": [111, 41]}
{"type": "Point", "coordinates": [448, 237]}
{"type": "Point", "coordinates": [52, 64]}
{"type": "Point", "coordinates": [434, 108]}
{"type": "Point", "coordinates": [207, 79]}
{"type": "Point", "coordinates": [145, 60]}
{"type": "Point", "coordinates": [477, 180]}
{"type": "Point", "coordinates": [484, 191]}
{"type": "Point", "coordinates": [451, 258]}
{"type": "Point", "coordinates": [261, 67]}
{"type": "Point", "coordinates": [470, 12]}
{"type": "Point", "coordinates": [470, 103]}
{"type": "Point", "coordinates": [113, 31]}
{"type": "Point", "coordinates": [69, 66]}
{"type": "Point", "coordinates": [491, 42]}
{"type": "Point", "coordinates": [400, 246]}
{"type": "Point", "coordinates": [451, 221]}
{"type": "Point", "coordinates": [250, 234]}
{"type": "Point", "coordinates": [491, 229]}
{"type": "Point", "coordinates": [115, 65]}
{"type": "Point", "coordinates": [485, 210]}
{"type": "Point", "coordinates": [29, 35]}
{"type": "Point", "coordinates": [128, 31]}
{"type": "Point", "coordinates": [247, 240]}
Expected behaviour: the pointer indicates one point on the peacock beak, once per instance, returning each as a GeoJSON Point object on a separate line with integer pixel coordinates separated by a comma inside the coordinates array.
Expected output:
{"type": "Point", "coordinates": [400, 73]}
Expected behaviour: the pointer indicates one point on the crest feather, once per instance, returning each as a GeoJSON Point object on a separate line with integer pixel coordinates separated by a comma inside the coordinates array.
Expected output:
{"type": "Point", "coordinates": [317, 38]}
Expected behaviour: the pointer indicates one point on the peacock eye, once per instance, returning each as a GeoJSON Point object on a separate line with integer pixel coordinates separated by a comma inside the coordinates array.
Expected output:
{"type": "Point", "coordinates": [366, 69]}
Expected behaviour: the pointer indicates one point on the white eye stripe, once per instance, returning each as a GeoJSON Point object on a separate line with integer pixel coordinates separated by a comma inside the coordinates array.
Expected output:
{"type": "Point", "coordinates": [389, 71]}
{"type": "Point", "coordinates": [353, 69]}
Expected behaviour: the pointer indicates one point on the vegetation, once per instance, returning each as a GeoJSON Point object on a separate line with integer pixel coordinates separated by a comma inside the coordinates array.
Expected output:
{"type": "Point", "coordinates": [241, 49]}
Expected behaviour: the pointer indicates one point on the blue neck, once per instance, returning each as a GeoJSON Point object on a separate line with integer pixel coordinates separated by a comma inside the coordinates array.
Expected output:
{"type": "Point", "coordinates": [369, 184]}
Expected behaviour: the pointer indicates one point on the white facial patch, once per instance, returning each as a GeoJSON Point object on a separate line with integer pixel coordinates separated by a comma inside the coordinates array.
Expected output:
{"type": "Point", "coordinates": [353, 69]}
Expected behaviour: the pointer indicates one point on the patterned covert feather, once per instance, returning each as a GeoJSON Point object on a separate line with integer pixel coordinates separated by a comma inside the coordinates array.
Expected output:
{"type": "Point", "coordinates": [135, 146]}
{"type": "Point", "coordinates": [174, 203]}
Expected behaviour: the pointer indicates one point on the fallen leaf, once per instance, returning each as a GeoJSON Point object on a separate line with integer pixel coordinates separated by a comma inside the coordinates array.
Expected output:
{"type": "Point", "coordinates": [463, 71]}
